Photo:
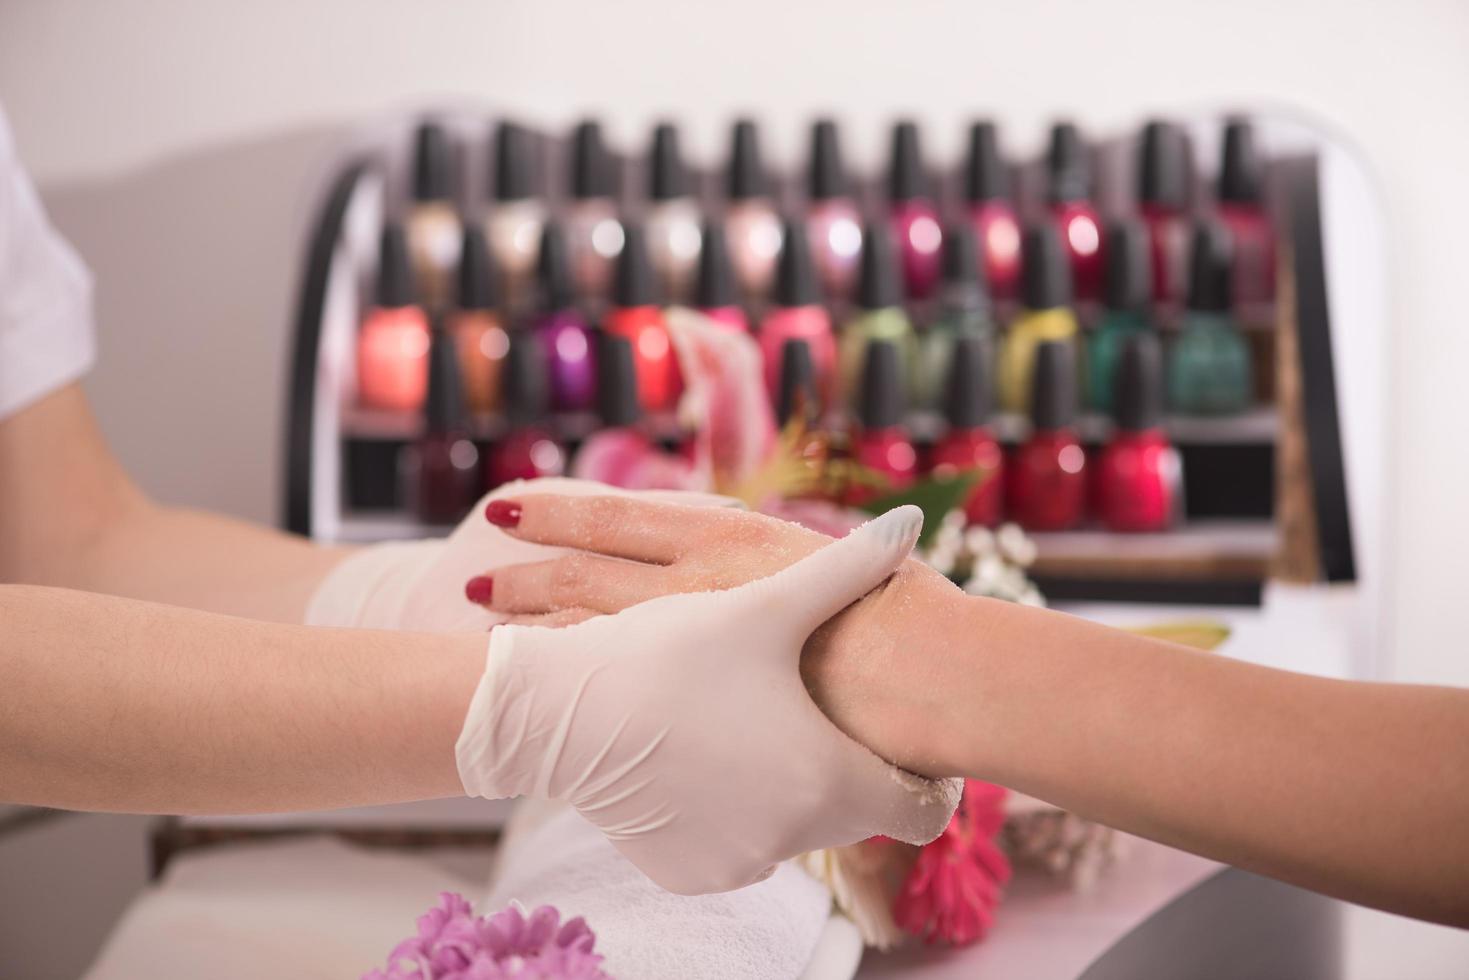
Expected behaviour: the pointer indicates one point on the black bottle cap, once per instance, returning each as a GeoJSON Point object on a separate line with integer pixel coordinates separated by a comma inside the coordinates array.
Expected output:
{"type": "Point", "coordinates": [967, 399]}
{"type": "Point", "coordinates": [985, 177]}
{"type": "Point", "coordinates": [1137, 393]}
{"type": "Point", "coordinates": [1067, 164]}
{"type": "Point", "coordinates": [1053, 388]}
{"type": "Point", "coordinates": [525, 380]}
{"type": "Point", "coordinates": [394, 272]}
{"type": "Point", "coordinates": [828, 179]}
{"type": "Point", "coordinates": [1210, 257]}
{"type": "Point", "coordinates": [617, 382]}
{"type": "Point", "coordinates": [878, 286]}
{"type": "Point", "coordinates": [591, 165]}
{"type": "Point", "coordinates": [795, 271]}
{"type": "Point", "coordinates": [433, 163]}
{"type": "Point", "coordinates": [906, 179]}
{"type": "Point", "coordinates": [1162, 165]}
{"type": "Point", "coordinates": [444, 406]}
{"type": "Point", "coordinates": [1242, 172]}
{"type": "Point", "coordinates": [746, 174]}
{"type": "Point", "coordinates": [515, 163]}
{"type": "Point", "coordinates": [961, 255]}
{"type": "Point", "coordinates": [882, 403]}
{"type": "Point", "coordinates": [556, 289]}
{"type": "Point", "coordinates": [476, 271]}
{"type": "Point", "coordinates": [669, 179]}
{"type": "Point", "coordinates": [716, 286]}
{"type": "Point", "coordinates": [1129, 275]}
{"type": "Point", "coordinates": [634, 283]}
{"type": "Point", "coordinates": [1045, 274]}
{"type": "Point", "coordinates": [797, 393]}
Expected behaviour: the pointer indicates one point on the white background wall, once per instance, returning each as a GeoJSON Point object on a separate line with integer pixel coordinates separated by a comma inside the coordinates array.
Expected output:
{"type": "Point", "coordinates": [172, 140]}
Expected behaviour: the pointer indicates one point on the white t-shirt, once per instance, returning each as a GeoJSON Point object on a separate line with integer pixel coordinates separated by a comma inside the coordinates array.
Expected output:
{"type": "Point", "coordinates": [46, 332]}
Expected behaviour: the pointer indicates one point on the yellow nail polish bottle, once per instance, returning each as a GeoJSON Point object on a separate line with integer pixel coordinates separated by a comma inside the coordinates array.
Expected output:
{"type": "Point", "coordinates": [1046, 317]}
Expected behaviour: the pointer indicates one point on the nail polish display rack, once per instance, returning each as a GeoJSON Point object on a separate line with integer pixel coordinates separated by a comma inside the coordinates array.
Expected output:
{"type": "Point", "coordinates": [1265, 490]}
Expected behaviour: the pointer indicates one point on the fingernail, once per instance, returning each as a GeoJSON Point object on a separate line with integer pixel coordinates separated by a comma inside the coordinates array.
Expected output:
{"type": "Point", "coordinates": [503, 513]}
{"type": "Point", "coordinates": [479, 589]}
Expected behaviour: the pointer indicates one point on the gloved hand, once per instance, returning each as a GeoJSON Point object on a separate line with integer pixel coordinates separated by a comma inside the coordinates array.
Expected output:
{"type": "Point", "coordinates": [682, 730]}
{"type": "Point", "coordinates": [419, 585]}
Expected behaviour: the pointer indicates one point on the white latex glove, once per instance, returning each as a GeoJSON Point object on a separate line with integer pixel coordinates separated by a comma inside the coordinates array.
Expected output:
{"type": "Point", "coordinates": [419, 585]}
{"type": "Point", "coordinates": [682, 730]}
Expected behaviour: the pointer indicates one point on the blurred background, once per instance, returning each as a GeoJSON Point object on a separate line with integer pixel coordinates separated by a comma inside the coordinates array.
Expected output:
{"type": "Point", "coordinates": [177, 145]}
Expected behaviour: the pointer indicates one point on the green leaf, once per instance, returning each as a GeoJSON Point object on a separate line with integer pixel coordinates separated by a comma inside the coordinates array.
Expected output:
{"type": "Point", "coordinates": [935, 497]}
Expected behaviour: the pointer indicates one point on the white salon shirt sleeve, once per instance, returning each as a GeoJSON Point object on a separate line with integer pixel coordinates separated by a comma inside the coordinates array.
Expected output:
{"type": "Point", "coordinates": [46, 330]}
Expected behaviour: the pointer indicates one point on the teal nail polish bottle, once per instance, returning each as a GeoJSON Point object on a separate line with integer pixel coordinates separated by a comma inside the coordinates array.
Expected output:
{"type": "Point", "coordinates": [1127, 288]}
{"type": "Point", "coordinates": [1209, 367]}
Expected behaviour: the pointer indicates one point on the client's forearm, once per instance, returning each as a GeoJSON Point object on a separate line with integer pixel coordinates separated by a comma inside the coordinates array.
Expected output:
{"type": "Point", "coordinates": [114, 704]}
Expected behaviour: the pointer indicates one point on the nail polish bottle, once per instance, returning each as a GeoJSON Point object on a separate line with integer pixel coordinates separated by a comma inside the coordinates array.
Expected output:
{"type": "Point", "coordinates": [797, 313]}
{"type": "Point", "coordinates": [566, 337]}
{"type": "Point", "coordinates": [1125, 303]}
{"type": "Point", "coordinates": [881, 443]}
{"type": "Point", "coordinates": [610, 453]}
{"type": "Point", "coordinates": [879, 314]}
{"type": "Point", "coordinates": [750, 221]}
{"type": "Point", "coordinates": [963, 311]}
{"type": "Point", "coordinates": [1045, 295]}
{"type": "Point", "coordinates": [970, 444]}
{"type": "Point", "coordinates": [516, 213]}
{"type": "Point", "coordinates": [1209, 365]}
{"type": "Point", "coordinates": [392, 348]}
{"type": "Point", "coordinates": [1046, 487]}
{"type": "Point", "coordinates": [592, 228]}
{"type": "Point", "coordinates": [1139, 476]}
{"type": "Point", "coordinates": [442, 466]}
{"type": "Point", "coordinates": [798, 394]}
{"type": "Point", "coordinates": [832, 218]}
{"type": "Point", "coordinates": [672, 218]}
{"type": "Point", "coordinates": [1163, 185]}
{"type": "Point", "coordinates": [1069, 169]}
{"type": "Point", "coordinates": [433, 224]}
{"type": "Point", "coordinates": [716, 293]}
{"type": "Point", "coordinates": [986, 192]}
{"type": "Point", "coordinates": [915, 218]}
{"type": "Point", "coordinates": [528, 449]}
{"type": "Point", "coordinates": [1242, 209]}
{"type": "Point", "coordinates": [478, 332]}
{"type": "Point", "coordinates": [636, 315]}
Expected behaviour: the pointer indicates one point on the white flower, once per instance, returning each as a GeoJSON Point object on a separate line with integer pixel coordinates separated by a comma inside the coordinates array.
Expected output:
{"type": "Point", "coordinates": [1015, 545]}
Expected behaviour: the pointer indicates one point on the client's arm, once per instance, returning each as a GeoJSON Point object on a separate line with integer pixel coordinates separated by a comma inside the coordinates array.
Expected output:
{"type": "Point", "coordinates": [1358, 790]}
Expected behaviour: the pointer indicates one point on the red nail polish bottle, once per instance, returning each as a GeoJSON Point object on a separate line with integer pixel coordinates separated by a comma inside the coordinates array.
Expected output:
{"type": "Point", "coordinates": [1139, 476]}
{"type": "Point", "coordinates": [882, 443]}
{"type": "Point", "coordinates": [832, 218]}
{"type": "Point", "coordinates": [442, 467]}
{"type": "Point", "coordinates": [1242, 208]}
{"type": "Point", "coordinates": [986, 191]}
{"type": "Point", "coordinates": [393, 347]}
{"type": "Point", "coordinates": [915, 220]}
{"type": "Point", "coordinates": [970, 444]}
{"type": "Point", "coordinates": [636, 316]}
{"type": "Point", "coordinates": [716, 293]}
{"type": "Point", "coordinates": [1047, 482]}
{"type": "Point", "coordinates": [797, 313]}
{"type": "Point", "coordinates": [1076, 217]}
{"type": "Point", "coordinates": [1163, 186]}
{"type": "Point", "coordinates": [528, 449]}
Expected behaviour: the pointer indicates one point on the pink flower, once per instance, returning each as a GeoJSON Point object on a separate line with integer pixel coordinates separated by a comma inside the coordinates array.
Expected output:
{"type": "Point", "coordinates": [453, 944]}
{"type": "Point", "coordinates": [951, 893]}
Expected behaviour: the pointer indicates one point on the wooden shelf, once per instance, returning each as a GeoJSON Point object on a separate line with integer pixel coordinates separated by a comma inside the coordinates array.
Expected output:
{"type": "Point", "coordinates": [1204, 550]}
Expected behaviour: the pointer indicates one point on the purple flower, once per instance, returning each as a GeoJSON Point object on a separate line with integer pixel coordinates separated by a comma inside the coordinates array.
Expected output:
{"type": "Point", "coordinates": [453, 944]}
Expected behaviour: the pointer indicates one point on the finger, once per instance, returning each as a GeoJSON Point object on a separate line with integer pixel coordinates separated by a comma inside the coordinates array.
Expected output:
{"type": "Point", "coordinates": [825, 582]}
{"type": "Point", "coordinates": [621, 527]}
{"type": "Point", "coordinates": [577, 581]}
{"type": "Point", "coordinates": [564, 617]}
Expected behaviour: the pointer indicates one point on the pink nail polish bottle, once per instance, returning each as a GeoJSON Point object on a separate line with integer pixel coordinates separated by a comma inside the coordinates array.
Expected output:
{"type": "Point", "coordinates": [1163, 201]}
{"type": "Point", "coordinates": [986, 191]}
{"type": "Point", "coordinates": [798, 314]}
{"type": "Point", "coordinates": [750, 220]}
{"type": "Point", "coordinates": [393, 346]}
{"type": "Point", "coordinates": [915, 219]}
{"type": "Point", "coordinates": [832, 218]}
{"type": "Point", "coordinates": [716, 293]}
{"type": "Point", "coordinates": [1068, 166]}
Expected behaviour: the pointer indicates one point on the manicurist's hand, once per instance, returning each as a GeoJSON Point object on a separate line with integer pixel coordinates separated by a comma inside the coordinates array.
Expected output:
{"type": "Point", "coordinates": [681, 727]}
{"type": "Point", "coordinates": [871, 667]}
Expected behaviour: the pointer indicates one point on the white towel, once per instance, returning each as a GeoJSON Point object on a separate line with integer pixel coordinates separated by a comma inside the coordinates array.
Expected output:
{"type": "Point", "coordinates": [770, 931]}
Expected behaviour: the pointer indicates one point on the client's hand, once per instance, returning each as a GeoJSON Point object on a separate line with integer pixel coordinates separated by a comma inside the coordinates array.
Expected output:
{"type": "Point", "coordinates": [681, 729]}
{"type": "Point", "coordinates": [867, 667]}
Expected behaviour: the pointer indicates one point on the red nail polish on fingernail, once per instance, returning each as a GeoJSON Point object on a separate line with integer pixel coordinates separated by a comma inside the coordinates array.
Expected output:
{"type": "Point", "coordinates": [503, 513]}
{"type": "Point", "coordinates": [479, 589]}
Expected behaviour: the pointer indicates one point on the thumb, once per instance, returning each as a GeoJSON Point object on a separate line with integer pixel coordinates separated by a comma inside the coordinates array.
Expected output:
{"type": "Point", "coordinates": [824, 583]}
